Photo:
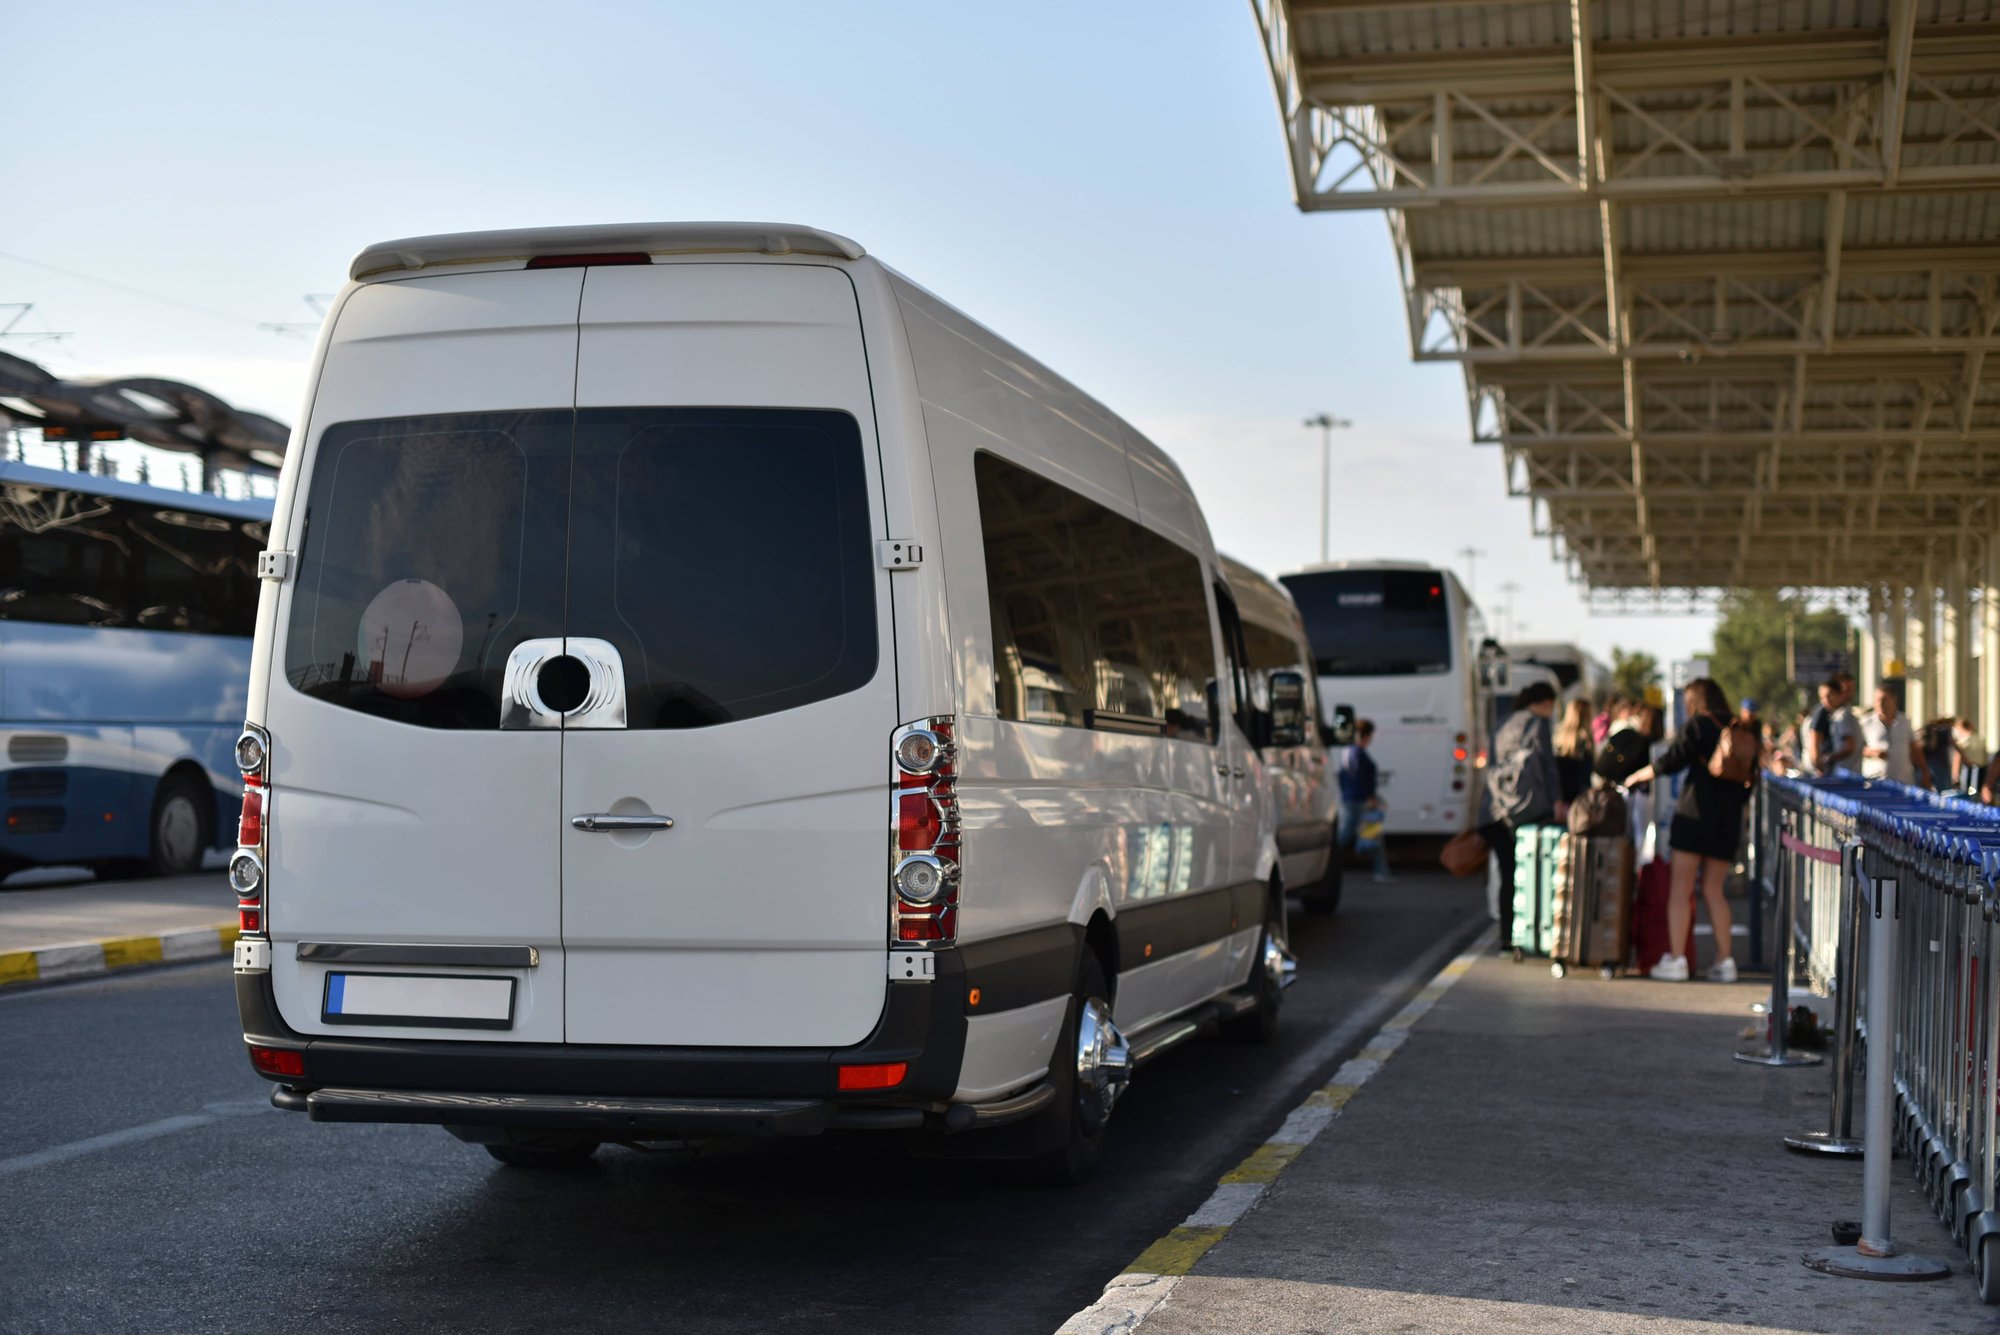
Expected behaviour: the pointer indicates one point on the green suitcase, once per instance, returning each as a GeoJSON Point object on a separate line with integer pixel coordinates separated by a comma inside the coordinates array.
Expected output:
{"type": "Point", "coordinates": [1534, 887]}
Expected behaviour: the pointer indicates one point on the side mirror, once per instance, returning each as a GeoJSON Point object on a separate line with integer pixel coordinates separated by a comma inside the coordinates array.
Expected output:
{"type": "Point", "coordinates": [1288, 708]}
{"type": "Point", "coordinates": [1342, 732]}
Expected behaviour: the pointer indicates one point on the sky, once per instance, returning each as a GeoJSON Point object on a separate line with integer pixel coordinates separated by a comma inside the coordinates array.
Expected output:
{"type": "Point", "coordinates": [1103, 184]}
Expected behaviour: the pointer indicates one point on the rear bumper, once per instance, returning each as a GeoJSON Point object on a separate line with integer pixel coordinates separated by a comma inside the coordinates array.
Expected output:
{"type": "Point", "coordinates": [782, 1090]}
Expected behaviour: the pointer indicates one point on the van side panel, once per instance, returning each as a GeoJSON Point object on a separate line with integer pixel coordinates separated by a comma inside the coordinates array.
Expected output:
{"type": "Point", "coordinates": [1048, 809]}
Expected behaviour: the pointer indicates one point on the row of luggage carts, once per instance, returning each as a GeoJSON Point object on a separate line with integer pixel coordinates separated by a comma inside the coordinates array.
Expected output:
{"type": "Point", "coordinates": [1895, 888]}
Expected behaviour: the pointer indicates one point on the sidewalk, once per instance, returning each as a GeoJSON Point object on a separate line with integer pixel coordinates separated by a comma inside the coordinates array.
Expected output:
{"type": "Point", "coordinates": [1539, 1155]}
{"type": "Point", "coordinates": [55, 931]}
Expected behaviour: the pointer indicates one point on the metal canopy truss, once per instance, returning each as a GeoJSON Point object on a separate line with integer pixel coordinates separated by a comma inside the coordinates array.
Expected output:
{"type": "Point", "coordinates": [1724, 278]}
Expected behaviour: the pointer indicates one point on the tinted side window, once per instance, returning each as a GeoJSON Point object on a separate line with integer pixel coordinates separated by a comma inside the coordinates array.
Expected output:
{"type": "Point", "coordinates": [77, 559]}
{"type": "Point", "coordinates": [1042, 672]}
{"type": "Point", "coordinates": [727, 553]}
{"type": "Point", "coordinates": [431, 547]}
{"type": "Point", "coordinates": [1097, 620]}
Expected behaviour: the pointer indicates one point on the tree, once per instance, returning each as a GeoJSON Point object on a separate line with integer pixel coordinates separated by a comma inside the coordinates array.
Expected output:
{"type": "Point", "coordinates": [1632, 673]}
{"type": "Point", "coordinates": [1748, 659]}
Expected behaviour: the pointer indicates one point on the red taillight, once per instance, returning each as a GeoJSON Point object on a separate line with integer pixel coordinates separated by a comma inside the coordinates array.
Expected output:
{"type": "Point", "coordinates": [1458, 753]}
{"type": "Point", "coordinates": [579, 261]}
{"type": "Point", "coordinates": [924, 857]}
{"type": "Point", "coordinates": [885, 1075]}
{"type": "Point", "coordinates": [283, 1061]}
{"type": "Point", "coordinates": [250, 825]}
{"type": "Point", "coordinates": [249, 920]}
{"type": "Point", "coordinates": [918, 823]}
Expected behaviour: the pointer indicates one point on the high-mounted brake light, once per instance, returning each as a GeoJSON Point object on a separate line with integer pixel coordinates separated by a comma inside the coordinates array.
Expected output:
{"type": "Point", "coordinates": [581, 261]}
{"type": "Point", "coordinates": [924, 844]}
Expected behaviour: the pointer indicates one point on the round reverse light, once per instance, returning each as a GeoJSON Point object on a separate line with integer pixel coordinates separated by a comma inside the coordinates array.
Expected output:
{"type": "Point", "coordinates": [250, 753]}
{"type": "Point", "coordinates": [919, 750]}
{"type": "Point", "coordinates": [920, 878]}
{"type": "Point", "coordinates": [246, 874]}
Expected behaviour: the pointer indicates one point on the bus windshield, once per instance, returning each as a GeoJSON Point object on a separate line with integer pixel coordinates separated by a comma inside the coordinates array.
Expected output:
{"type": "Point", "coordinates": [1375, 623]}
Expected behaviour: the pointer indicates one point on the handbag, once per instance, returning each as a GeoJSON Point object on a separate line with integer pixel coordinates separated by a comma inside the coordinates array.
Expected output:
{"type": "Point", "coordinates": [1465, 854]}
{"type": "Point", "coordinates": [1369, 837]}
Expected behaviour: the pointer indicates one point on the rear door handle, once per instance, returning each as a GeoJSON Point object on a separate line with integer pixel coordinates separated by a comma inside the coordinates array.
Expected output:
{"type": "Point", "coordinates": [603, 822]}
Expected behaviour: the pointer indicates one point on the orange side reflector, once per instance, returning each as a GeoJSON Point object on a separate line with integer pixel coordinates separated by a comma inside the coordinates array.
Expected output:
{"type": "Point", "coordinates": [972, 997]}
{"type": "Point", "coordinates": [887, 1075]}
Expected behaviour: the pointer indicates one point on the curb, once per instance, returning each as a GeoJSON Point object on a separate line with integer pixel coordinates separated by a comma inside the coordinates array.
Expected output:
{"type": "Point", "coordinates": [87, 959]}
{"type": "Point", "coordinates": [1131, 1297]}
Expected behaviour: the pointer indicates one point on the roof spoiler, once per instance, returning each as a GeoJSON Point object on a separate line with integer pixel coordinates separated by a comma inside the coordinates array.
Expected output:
{"type": "Point", "coordinates": [413, 254]}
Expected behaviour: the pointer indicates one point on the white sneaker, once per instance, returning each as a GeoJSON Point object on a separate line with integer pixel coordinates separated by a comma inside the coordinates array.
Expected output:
{"type": "Point", "coordinates": [1670, 969]}
{"type": "Point", "coordinates": [1724, 972]}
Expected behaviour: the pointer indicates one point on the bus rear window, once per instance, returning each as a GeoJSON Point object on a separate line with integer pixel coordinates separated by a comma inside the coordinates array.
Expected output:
{"type": "Point", "coordinates": [77, 558]}
{"type": "Point", "coordinates": [1373, 623]}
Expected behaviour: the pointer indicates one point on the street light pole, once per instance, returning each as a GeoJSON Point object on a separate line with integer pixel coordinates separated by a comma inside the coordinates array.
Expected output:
{"type": "Point", "coordinates": [1471, 555]}
{"type": "Point", "coordinates": [1326, 422]}
{"type": "Point", "coordinates": [1509, 589]}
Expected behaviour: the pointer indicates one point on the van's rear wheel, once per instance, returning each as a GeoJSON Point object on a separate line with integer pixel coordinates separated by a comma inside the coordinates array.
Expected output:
{"type": "Point", "coordinates": [1091, 1068]}
{"type": "Point", "coordinates": [183, 814]}
{"type": "Point", "coordinates": [1267, 980]}
{"type": "Point", "coordinates": [544, 1156]}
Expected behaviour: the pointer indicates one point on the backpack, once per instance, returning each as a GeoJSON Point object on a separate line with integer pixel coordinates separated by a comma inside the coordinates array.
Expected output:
{"type": "Point", "coordinates": [1734, 759]}
{"type": "Point", "coordinates": [1599, 811]}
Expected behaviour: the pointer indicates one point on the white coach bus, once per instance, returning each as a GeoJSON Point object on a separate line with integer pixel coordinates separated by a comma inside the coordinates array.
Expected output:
{"type": "Point", "coordinates": [1398, 642]}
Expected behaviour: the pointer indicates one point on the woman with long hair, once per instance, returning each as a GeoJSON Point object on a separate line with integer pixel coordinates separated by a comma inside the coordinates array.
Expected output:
{"type": "Point", "coordinates": [1574, 752]}
{"type": "Point", "coordinates": [1708, 821]}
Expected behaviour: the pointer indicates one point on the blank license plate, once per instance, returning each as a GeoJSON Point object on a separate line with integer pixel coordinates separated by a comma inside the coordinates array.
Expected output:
{"type": "Point", "coordinates": [443, 1001]}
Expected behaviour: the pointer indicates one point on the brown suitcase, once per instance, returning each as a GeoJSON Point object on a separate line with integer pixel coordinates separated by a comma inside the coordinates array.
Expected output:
{"type": "Point", "coordinates": [1593, 894]}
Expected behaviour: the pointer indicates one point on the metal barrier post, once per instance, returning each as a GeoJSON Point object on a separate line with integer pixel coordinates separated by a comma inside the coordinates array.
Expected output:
{"type": "Point", "coordinates": [1875, 1256]}
{"type": "Point", "coordinates": [1760, 869]}
{"type": "Point", "coordinates": [1838, 1140]}
{"type": "Point", "coordinates": [1781, 980]}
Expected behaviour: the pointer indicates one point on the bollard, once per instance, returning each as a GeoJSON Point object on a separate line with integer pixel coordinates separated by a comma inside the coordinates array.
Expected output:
{"type": "Point", "coordinates": [1760, 868]}
{"type": "Point", "coordinates": [1838, 1140]}
{"type": "Point", "coordinates": [1875, 1256]}
{"type": "Point", "coordinates": [1781, 979]}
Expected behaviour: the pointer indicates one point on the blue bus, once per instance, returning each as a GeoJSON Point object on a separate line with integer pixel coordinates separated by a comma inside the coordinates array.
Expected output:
{"type": "Point", "coordinates": [126, 613]}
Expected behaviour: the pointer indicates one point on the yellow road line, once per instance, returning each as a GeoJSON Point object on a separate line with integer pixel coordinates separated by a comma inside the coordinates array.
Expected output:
{"type": "Point", "coordinates": [19, 966]}
{"type": "Point", "coordinates": [1176, 1253]}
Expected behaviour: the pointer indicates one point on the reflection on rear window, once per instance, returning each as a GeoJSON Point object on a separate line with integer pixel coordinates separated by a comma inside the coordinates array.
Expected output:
{"type": "Point", "coordinates": [432, 546]}
{"type": "Point", "coordinates": [1367, 623]}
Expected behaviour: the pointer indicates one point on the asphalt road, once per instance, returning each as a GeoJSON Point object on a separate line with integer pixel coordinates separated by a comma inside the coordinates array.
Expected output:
{"type": "Point", "coordinates": [146, 1185]}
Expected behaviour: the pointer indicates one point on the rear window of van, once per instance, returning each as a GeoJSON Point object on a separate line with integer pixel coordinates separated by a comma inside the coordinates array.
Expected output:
{"type": "Point", "coordinates": [726, 554]}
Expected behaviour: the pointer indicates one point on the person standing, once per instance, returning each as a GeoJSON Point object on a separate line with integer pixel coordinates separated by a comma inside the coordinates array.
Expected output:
{"type": "Point", "coordinates": [1969, 756]}
{"type": "Point", "coordinates": [1361, 793]}
{"type": "Point", "coordinates": [1707, 824]}
{"type": "Point", "coordinates": [1607, 719]}
{"type": "Point", "coordinates": [1889, 748]}
{"type": "Point", "coordinates": [1574, 752]}
{"type": "Point", "coordinates": [1523, 787]}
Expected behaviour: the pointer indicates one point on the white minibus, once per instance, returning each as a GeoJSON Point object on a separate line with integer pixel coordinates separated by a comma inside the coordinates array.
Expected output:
{"type": "Point", "coordinates": [704, 683]}
{"type": "Point", "coordinates": [1398, 642]}
{"type": "Point", "coordinates": [1304, 790]}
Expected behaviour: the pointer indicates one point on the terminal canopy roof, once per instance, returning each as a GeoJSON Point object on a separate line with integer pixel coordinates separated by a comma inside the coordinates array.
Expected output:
{"type": "Point", "coordinates": [1723, 277]}
{"type": "Point", "coordinates": [166, 413]}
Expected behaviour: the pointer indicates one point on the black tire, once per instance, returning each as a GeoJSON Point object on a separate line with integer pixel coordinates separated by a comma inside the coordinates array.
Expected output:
{"type": "Point", "coordinates": [1986, 1266]}
{"type": "Point", "coordinates": [1322, 898]}
{"type": "Point", "coordinates": [573, 1155]}
{"type": "Point", "coordinates": [182, 826]}
{"type": "Point", "coordinates": [1084, 1126]}
{"type": "Point", "coordinates": [1260, 1025]}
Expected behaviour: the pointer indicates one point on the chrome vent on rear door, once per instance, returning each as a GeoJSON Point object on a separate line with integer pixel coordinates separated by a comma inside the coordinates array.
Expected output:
{"type": "Point", "coordinates": [563, 683]}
